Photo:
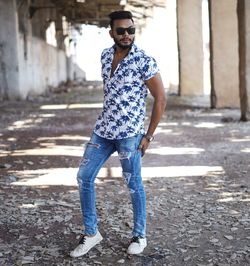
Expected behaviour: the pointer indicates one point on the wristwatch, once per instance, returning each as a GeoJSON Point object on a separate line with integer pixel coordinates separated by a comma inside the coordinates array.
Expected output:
{"type": "Point", "coordinates": [149, 138]}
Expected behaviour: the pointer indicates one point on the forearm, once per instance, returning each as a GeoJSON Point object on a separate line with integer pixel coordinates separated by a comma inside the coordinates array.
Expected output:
{"type": "Point", "coordinates": [156, 114]}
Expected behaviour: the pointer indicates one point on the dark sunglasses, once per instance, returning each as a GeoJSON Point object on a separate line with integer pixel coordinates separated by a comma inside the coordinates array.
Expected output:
{"type": "Point", "coordinates": [121, 31]}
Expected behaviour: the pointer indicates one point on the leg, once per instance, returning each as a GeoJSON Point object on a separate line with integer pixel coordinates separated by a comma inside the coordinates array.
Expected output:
{"type": "Point", "coordinates": [130, 158]}
{"type": "Point", "coordinates": [97, 152]}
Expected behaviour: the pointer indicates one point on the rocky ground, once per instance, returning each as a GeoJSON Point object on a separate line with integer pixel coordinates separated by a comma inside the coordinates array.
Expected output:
{"type": "Point", "coordinates": [196, 176]}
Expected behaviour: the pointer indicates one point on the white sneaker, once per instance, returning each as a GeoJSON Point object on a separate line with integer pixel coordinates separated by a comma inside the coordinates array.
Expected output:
{"type": "Point", "coordinates": [85, 244]}
{"type": "Point", "coordinates": [137, 245]}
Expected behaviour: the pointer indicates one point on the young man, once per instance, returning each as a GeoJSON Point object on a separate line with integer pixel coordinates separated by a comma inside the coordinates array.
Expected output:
{"type": "Point", "coordinates": [127, 73]}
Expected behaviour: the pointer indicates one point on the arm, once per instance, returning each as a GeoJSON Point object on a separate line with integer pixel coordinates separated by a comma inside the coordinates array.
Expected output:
{"type": "Point", "coordinates": [156, 89]}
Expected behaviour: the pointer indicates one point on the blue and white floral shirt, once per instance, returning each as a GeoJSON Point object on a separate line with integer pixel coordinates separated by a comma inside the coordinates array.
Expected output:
{"type": "Point", "coordinates": [124, 104]}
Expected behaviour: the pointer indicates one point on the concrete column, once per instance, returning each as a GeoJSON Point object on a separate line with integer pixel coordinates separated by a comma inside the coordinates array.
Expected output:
{"type": "Point", "coordinates": [247, 5]}
{"type": "Point", "coordinates": [189, 17]}
{"type": "Point", "coordinates": [59, 32]}
{"type": "Point", "coordinates": [225, 59]}
{"type": "Point", "coordinates": [9, 69]}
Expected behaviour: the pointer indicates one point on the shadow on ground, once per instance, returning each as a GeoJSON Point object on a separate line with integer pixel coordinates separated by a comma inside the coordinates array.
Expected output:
{"type": "Point", "coordinates": [196, 176]}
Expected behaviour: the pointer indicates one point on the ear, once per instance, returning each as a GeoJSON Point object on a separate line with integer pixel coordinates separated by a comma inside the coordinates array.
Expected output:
{"type": "Point", "coordinates": [111, 34]}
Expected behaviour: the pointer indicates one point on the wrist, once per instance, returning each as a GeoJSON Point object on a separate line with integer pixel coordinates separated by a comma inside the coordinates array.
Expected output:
{"type": "Point", "coordinates": [149, 137]}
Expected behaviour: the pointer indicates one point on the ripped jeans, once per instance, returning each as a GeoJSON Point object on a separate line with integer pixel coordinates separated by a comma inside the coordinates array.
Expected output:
{"type": "Point", "coordinates": [97, 151]}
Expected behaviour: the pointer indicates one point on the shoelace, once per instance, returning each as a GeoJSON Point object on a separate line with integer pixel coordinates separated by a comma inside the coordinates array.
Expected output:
{"type": "Point", "coordinates": [82, 239]}
{"type": "Point", "coordinates": [135, 239]}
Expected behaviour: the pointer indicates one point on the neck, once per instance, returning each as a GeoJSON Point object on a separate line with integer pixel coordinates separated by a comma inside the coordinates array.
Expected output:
{"type": "Point", "coordinates": [121, 51]}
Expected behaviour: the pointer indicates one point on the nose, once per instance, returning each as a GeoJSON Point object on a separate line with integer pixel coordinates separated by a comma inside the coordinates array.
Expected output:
{"type": "Point", "coordinates": [126, 32]}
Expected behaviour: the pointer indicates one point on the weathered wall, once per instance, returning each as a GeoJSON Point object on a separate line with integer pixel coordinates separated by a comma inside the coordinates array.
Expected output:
{"type": "Point", "coordinates": [43, 67]}
{"type": "Point", "coordinates": [9, 67]}
{"type": "Point", "coordinates": [190, 46]}
{"type": "Point", "coordinates": [28, 65]}
{"type": "Point", "coordinates": [225, 52]}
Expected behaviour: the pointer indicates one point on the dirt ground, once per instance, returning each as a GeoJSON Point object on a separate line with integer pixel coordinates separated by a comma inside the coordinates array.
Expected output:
{"type": "Point", "coordinates": [196, 176]}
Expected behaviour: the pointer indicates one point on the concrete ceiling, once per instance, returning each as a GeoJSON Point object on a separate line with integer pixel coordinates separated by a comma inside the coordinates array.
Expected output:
{"type": "Point", "coordinates": [96, 12]}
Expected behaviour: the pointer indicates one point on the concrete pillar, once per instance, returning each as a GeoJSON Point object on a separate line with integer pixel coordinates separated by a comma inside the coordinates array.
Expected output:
{"type": "Point", "coordinates": [59, 32]}
{"type": "Point", "coordinates": [9, 70]}
{"type": "Point", "coordinates": [225, 59]}
{"type": "Point", "coordinates": [247, 6]}
{"type": "Point", "coordinates": [189, 17]}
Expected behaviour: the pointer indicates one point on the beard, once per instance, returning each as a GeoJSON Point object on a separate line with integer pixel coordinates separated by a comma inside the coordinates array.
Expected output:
{"type": "Point", "coordinates": [124, 46]}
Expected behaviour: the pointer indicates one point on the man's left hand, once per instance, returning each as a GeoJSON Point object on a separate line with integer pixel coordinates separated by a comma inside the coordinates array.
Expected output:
{"type": "Point", "coordinates": [143, 145]}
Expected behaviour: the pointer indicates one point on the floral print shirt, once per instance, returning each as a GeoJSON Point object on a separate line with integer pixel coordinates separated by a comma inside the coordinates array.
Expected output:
{"type": "Point", "coordinates": [125, 92]}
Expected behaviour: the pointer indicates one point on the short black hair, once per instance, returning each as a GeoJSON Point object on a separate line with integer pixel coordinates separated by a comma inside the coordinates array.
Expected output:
{"type": "Point", "coordinates": [120, 14]}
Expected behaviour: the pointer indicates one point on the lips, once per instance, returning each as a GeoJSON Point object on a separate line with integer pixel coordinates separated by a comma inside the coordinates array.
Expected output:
{"type": "Point", "coordinates": [125, 40]}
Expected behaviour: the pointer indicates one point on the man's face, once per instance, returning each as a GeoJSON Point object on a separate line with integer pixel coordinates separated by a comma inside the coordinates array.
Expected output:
{"type": "Point", "coordinates": [123, 33]}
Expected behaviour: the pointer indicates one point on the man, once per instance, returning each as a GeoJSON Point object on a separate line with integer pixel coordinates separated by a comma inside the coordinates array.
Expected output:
{"type": "Point", "coordinates": [127, 72]}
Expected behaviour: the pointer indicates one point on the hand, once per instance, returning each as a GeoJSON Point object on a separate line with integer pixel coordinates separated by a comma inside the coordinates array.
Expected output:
{"type": "Point", "coordinates": [143, 146]}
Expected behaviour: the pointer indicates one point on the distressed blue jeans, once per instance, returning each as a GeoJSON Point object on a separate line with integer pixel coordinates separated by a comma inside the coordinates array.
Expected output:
{"type": "Point", "coordinates": [97, 151]}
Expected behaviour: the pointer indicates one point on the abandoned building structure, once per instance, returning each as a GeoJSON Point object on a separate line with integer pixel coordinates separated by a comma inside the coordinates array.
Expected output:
{"type": "Point", "coordinates": [30, 63]}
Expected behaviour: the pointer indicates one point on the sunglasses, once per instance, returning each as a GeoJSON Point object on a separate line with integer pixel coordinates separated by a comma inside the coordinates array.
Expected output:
{"type": "Point", "coordinates": [121, 31]}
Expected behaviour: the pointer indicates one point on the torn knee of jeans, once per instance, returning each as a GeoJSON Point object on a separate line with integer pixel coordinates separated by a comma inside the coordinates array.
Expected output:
{"type": "Point", "coordinates": [93, 145]}
{"type": "Point", "coordinates": [127, 177]}
{"type": "Point", "coordinates": [84, 161]}
{"type": "Point", "coordinates": [124, 155]}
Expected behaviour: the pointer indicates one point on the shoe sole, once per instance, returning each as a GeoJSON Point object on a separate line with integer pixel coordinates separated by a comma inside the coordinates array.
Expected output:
{"type": "Point", "coordinates": [130, 253]}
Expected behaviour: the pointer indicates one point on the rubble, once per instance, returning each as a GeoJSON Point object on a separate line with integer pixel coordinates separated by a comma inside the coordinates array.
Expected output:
{"type": "Point", "coordinates": [193, 220]}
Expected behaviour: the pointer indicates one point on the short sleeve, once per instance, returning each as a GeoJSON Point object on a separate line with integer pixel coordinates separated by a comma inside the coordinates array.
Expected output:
{"type": "Point", "coordinates": [148, 67]}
